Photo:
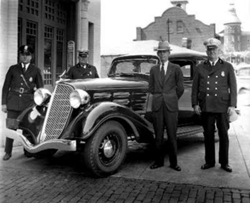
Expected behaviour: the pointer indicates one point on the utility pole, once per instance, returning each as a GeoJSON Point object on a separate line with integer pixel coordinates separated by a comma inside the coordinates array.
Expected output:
{"type": "Point", "coordinates": [168, 22]}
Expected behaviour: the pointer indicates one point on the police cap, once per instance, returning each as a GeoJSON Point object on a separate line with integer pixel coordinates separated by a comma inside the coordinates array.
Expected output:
{"type": "Point", "coordinates": [212, 43]}
{"type": "Point", "coordinates": [83, 53]}
{"type": "Point", "coordinates": [25, 49]}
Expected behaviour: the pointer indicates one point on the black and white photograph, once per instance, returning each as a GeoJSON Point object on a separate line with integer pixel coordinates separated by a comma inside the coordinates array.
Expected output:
{"type": "Point", "coordinates": [125, 101]}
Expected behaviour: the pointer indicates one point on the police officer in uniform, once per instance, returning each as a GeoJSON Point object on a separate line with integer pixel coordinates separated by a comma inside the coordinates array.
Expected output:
{"type": "Point", "coordinates": [82, 70]}
{"type": "Point", "coordinates": [214, 97]}
{"type": "Point", "coordinates": [20, 83]}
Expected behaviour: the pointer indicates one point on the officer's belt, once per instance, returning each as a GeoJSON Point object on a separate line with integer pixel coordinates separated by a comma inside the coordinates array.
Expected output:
{"type": "Point", "coordinates": [21, 90]}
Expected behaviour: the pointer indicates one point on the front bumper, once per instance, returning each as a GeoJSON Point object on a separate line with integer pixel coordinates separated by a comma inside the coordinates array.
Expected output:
{"type": "Point", "coordinates": [60, 144]}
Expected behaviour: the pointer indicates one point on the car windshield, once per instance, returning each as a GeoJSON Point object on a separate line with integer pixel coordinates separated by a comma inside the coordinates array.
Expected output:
{"type": "Point", "coordinates": [142, 66]}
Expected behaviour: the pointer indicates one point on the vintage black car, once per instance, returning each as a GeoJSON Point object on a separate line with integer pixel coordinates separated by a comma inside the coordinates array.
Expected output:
{"type": "Point", "coordinates": [99, 116]}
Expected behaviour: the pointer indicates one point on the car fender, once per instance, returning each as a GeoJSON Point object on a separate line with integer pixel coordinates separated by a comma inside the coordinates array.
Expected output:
{"type": "Point", "coordinates": [93, 117]}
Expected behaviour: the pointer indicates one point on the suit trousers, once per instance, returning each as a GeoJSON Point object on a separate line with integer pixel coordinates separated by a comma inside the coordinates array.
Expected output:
{"type": "Point", "coordinates": [9, 141]}
{"type": "Point", "coordinates": [209, 120]}
{"type": "Point", "coordinates": [163, 118]}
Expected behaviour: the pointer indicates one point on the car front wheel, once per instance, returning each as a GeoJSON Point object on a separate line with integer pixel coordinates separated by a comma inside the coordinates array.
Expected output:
{"type": "Point", "coordinates": [105, 151]}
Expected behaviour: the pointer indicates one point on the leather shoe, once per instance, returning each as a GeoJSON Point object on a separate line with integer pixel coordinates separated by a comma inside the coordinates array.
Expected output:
{"type": "Point", "coordinates": [207, 166]}
{"type": "Point", "coordinates": [177, 168]}
{"type": "Point", "coordinates": [156, 165]}
{"type": "Point", "coordinates": [227, 168]}
{"type": "Point", "coordinates": [6, 156]}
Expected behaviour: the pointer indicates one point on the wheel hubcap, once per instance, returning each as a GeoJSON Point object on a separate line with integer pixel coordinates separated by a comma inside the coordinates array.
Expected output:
{"type": "Point", "coordinates": [108, 149]}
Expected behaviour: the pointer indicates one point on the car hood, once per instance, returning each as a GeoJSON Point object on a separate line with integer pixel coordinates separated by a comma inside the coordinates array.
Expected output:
{"type": "Point", "coordinates": [106, 83]}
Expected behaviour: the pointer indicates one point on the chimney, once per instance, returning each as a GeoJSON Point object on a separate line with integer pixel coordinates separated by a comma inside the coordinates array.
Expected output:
{"type": "Point", "coordinates": [180, 3]}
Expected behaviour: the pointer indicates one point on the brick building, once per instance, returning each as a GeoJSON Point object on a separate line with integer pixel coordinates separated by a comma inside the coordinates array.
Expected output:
{"type": "Point", "coordinates": [177, 27]}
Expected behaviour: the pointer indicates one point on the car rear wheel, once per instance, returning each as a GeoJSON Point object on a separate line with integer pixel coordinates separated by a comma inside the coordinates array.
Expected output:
{"type": "Point", "coordinates": [106, 149]}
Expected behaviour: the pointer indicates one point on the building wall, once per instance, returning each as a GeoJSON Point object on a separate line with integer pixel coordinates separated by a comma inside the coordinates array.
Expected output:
{"type": "Point", "coordinates": [94, 17]}
{"type": "Point", "coordinates": [9, 39]}
{"type": "Point", "coordinates": [193, 29]}
{"type": "Point", "coordinates": [245, 42]}
{"type": "Point", "coordinates": [8, 51]}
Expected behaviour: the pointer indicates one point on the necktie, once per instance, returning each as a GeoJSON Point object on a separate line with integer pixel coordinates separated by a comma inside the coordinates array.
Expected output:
{"type": "Point", "coordinates": [162, 72]}
{"type": "Point", "coordinates": [24, 67]}
{"type": "Point", "coordinates": [213, 63]}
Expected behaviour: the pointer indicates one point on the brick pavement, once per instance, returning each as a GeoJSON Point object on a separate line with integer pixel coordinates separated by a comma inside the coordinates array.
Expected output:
{"type": "Point", "coordinates": [63, 180]}
{"type": "Point", "coordinates": [39, 186]}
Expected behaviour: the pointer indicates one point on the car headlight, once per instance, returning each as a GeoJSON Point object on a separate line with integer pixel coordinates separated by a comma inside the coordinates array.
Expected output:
{"type": "Point", "coordinates": [41, 95]}
{"type": "Point", "coordinates": [79, 97]}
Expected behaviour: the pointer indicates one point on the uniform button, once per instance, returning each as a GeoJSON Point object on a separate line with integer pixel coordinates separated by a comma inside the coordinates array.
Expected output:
{"type": "Point", "coordinates": [208, 88]}
{"type": "Point", "coordinates": [208, 76]}
{"type": "Point", "coordinates": [216, 88]}
{"type": "Point", "coordinates": [216, 82]}
{"type": "Point", "coordinates": [216, 76]}
{"type": "Point", "coordinates": [207, 82]}
{"type": "Point", "coordinates": [215, 95]}
{"type": "Point", "coordinates": [207, 94]}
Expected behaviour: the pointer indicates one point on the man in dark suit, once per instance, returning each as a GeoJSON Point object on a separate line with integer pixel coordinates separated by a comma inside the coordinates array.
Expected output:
{"type": "Point", "coordinates": [82, 69]}
{"type": "Point", "coordinates": [20, 83]}
{"type": "Point", "coordinates": [214, 97]}
{"type": "Point", "coordinates": [166, 86]}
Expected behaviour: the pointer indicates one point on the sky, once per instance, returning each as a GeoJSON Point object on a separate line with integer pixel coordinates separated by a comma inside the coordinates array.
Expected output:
{"type": "Point", "coordinates": [120, 18]}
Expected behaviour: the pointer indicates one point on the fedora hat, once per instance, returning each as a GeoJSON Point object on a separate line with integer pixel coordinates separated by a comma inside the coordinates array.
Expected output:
{"type": "Point", "coordinates": [163, 46]}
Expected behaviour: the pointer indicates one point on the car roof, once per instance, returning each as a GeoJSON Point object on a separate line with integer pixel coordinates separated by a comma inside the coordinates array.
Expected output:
{"type": "Point", "coordinates": [178, 55]}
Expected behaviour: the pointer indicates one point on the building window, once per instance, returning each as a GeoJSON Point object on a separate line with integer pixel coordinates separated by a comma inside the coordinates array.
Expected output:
{"type": "Point", "coordinates": [61, 14]}
{"type": "Point", "coordinates": [49, 10]}
{"type": "Point", "coordinates": [48, 40]}
{"type": "Point", "coordinates": [59, 52]}
{"type": "Point", "coordinates": [19, 31]}
{"type": "Point", "coordinates": [232, 39]}
{"type": "Point", "coordinates": [33, 7]}
{"type": "Point", "coordinates": [198, 30]}
{"type": "Point", "coordinates": [31, 37]}
{"type": "Point", "coordinates": [180, 27]}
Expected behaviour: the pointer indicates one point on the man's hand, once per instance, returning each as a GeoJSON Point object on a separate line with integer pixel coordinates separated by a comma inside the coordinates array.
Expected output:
{"type": "Point", "coordinates": [4, 108]}
{"type": "Point", "coordinates": [197, 109]}
{"type": "Point", "coordinates": [230, 110]}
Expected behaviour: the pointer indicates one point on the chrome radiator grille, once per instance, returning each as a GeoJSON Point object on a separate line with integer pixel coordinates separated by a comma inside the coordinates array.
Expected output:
{"type": "Point", "coordinates": [59, 112]}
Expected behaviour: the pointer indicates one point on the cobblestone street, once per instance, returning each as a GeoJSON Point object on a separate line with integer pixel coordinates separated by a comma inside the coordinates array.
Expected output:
{"type": "Point", "coordinates": [64, 178]}
{"type": "Point", "coordinates": [43, 186]}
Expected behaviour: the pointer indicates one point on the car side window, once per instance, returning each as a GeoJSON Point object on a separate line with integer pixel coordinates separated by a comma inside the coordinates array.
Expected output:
{"type": "Point", "coordinates": [134, 66]}
{"type": "Point", "coordinates": [186, 71]}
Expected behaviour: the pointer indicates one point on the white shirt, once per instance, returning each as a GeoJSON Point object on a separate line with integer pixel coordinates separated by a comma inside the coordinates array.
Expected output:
{"type": "Point", "coordinates": [25, 66]}
{"type": "Point", "coordinates": [165, 66]}
{"type": "Point", "coordinates": [211, 62]}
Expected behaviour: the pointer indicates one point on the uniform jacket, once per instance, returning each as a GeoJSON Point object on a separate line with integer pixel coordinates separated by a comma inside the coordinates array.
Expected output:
{"type": "Point", "coordinates": [79, 72]}
{"type": "Point", "coordinates": [214, 88]}
{"type": "Point", "coordinates": [15, 93]}
{"type": "Point", "coordinates": [169, 89]}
